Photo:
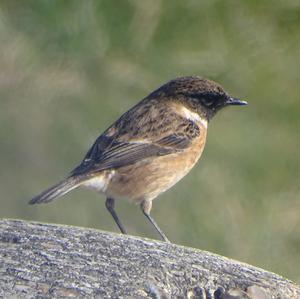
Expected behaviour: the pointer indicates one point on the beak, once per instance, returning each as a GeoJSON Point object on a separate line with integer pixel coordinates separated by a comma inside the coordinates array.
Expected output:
{"type": "Point", "coordinates": [237, 102]}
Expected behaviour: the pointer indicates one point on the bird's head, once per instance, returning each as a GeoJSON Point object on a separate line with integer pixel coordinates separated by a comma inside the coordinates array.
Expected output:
{"type": "Point", "coordinates": [202, 95]}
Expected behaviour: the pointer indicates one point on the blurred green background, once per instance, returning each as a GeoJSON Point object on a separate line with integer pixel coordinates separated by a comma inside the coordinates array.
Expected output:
{"type": "Point", "coordinates": [68, 69]}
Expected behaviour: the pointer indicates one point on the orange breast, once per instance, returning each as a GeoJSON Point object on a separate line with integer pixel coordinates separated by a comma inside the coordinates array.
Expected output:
{"type": "Point", "coordinates": [149, 178]}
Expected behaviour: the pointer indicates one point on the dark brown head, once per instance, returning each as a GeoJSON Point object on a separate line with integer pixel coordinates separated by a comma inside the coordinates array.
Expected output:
{"type": "Point", "coordinates": [202, 95]}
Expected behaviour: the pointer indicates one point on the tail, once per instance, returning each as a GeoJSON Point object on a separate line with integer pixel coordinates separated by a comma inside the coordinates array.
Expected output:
{"type": "Point", "coordinates": [57, 190]}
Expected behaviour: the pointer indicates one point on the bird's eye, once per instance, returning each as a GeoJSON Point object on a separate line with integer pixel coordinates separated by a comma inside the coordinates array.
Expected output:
{"type": "Point", "coordinates": [207, 99]}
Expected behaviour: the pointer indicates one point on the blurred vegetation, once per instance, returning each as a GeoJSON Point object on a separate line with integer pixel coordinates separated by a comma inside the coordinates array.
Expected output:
{"type": "Point", "coordinates": [70, 68]}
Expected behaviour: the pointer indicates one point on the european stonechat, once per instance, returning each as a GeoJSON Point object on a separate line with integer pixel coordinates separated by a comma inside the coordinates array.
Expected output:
{"type": "Point", "coordinates": [150, 147]}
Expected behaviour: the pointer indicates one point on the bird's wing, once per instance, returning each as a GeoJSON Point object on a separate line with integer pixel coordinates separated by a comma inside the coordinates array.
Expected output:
{"type": "Point", "coordinates": [124, 147]}
{"type": "Point", "coordinates": [122, 154]}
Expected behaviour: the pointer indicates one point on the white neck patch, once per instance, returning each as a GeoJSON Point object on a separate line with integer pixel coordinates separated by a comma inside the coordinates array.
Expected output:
{"type": "Point", "coordinates": [193, 116]}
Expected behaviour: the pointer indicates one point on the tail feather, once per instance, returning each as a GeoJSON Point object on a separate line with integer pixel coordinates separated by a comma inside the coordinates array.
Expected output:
{"type": "Point", "coordinates": [57, 190]}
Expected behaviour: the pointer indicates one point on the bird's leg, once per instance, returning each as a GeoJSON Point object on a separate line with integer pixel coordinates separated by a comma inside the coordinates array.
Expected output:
{"type": "Point", "coordinates": [110, 205]}
{"type": "Point", "coordinates": [146, 206]}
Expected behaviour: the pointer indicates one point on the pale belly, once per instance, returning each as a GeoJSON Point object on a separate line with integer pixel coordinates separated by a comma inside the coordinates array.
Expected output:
{"type": "Point", "coordinates": [147, 181]}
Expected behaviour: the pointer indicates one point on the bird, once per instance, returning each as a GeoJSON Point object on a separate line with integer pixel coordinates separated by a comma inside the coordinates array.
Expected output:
{"type": "Point", "coordinates": [149, 148]}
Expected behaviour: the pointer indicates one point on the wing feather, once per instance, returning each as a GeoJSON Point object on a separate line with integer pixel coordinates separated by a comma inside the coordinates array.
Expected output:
{"type": "Point", "coordinates": [111, 151]}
